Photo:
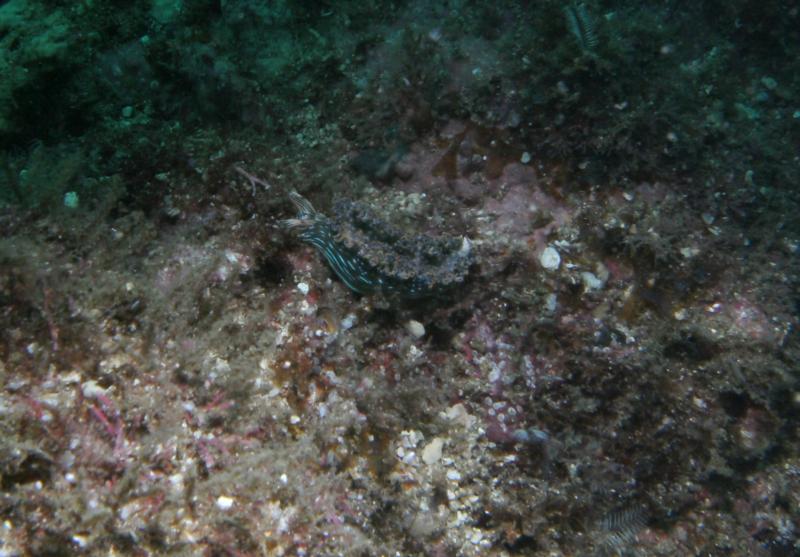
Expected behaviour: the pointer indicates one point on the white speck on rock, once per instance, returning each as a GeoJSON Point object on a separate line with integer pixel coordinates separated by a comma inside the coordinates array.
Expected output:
{"type": "Point", "coordinates": [224, 503]}
{"type": "Point", "coordinates": [453, 475]}
{"type": "Point", "coordinates": [176, 482]}
{"type": "Point", "coordinates": [525, 158]}
{"type": "Point", "coordinates": [303, 287]}
{"type": "Point", "coordinates": [550, 259]}
{"type": "Point", "coordinates": [414, 352]}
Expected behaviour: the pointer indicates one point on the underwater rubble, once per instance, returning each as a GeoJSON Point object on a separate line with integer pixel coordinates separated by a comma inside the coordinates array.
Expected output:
{"type": "Point", "coordinates": [214, 385]}
{"type": "Point", "coordinates": [477, 293]}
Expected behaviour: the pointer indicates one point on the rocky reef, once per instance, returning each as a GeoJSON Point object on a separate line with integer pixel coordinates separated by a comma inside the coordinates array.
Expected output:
{"type": "Point", "coordinates": [545, 302]}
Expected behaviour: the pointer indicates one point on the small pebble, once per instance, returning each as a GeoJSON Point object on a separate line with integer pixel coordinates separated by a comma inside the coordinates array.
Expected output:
{"type": "Point", "coordinates": [224, 503]}
{"type": "Point", "coordinates": [550, 259]}
{"type": "Point", "coordinates": [525, 158]}
{"type": "Point", "coordinates": [91, 389]}
{"type": "Point", "coordinates": [348, 321]}
{"type": "Point", "coordinates": [303, 287]}
{"type": "Point", "coordinates": [416, 328]}
{"type": "Point", "coordinates": [476, 537]}
{"type": "Point", "coordinates": [453, 475]}
{"type": "Point", "coordinates": [432, 451]}
{"type": "Point", "coordinates": [551, 303]}
{"type": "Point", "coordinates": [411, 438]}
{"type": "Point", "coordinates": [590, 281]}
{"type": "Point", "coordinates": [689, 251]}
{"type": "Point", "coordinates": [521, 436]}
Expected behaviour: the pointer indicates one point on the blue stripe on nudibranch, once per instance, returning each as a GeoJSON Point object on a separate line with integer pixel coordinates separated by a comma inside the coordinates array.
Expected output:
{"type": "Point", "coordinates": [369, 255]}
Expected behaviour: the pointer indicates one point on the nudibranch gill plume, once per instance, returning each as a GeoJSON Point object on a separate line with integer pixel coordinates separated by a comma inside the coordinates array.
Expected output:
{"type": "Point", "coordinates": [370, 255]}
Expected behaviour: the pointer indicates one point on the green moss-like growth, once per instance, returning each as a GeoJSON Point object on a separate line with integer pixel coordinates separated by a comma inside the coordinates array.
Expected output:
{"type": "Point", "coordinates": [34, 43]}
{"type": "Point", "coordinates": [41, 178]}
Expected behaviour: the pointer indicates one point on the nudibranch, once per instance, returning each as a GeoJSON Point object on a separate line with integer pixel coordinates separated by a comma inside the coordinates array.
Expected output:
{"type": "Point", "coordinates": [370, 255]}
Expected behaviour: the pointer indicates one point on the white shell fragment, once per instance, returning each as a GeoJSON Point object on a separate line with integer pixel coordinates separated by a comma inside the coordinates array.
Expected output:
{"type": "Point", "coordinates": [433, 451]}
{"type": "Point", "coordinates": [466, 247]}
{"type": "Point", "coordinates": [416, 328]}
{"type": "Point", "coordinates": [91, 389]}
{"type": "Point", "coordinates": [591, 282]}
{"type": "Point", "coordinates": [550, 259]}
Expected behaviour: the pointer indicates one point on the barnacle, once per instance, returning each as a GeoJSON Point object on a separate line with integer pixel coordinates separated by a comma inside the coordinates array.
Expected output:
{"type": "Point", "coordinates": [370, 255]}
